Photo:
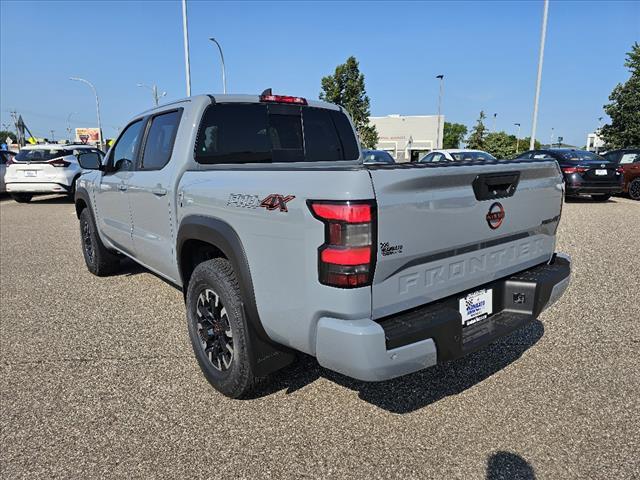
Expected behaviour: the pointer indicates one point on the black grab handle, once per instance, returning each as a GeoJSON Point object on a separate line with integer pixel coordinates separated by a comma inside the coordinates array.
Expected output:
{"type": "Point", "coordinates": [489, 186]}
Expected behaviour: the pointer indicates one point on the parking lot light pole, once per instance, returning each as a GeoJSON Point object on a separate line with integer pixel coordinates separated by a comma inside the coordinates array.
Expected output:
{"type": "Point", "coordinates": [185, 32]}
{"type": "Point", "coordinates": [76, 79]}
{"type": "Point", "coordinates": [494, 122]}
{"type": "Point", "coordinates": [441, 77]}
{"type": "Point", "coordinates": [154, 92]}
{"type": "Point", "coordinates": [540, 59]}
{"type": "Point", "coordinates": [517, 138]}
{"type": "Point", "coordinates": [224, 76]}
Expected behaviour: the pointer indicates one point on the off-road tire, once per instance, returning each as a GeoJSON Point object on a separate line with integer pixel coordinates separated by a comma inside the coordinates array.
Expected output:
{"type": "Point", "coordinates": [100, 261]}
{"type": "Point", "coordinates": [603, 197]}
{"type": "Point", "coordinates": [634, 189]}
{"type": "Point", "coordinates": [216, 276]}
{"type": "Point", "coordinates": [22, 197]}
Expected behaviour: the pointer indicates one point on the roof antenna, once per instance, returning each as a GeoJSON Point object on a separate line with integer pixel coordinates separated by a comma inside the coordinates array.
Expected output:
{"type": "Point", "coordinates": [266, 92]}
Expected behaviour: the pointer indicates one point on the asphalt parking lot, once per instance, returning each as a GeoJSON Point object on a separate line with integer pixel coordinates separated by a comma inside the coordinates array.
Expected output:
{"type": "Point", "coordinates": [98, 378]}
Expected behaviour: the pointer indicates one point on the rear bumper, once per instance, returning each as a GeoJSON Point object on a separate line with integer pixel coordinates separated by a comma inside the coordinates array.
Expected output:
{"type": "Point", "coordinates": [410, 341]}
{"type": "Point", "coordinates": [593, 189]}
{"type": "Point", "coordinates": [37, 187]}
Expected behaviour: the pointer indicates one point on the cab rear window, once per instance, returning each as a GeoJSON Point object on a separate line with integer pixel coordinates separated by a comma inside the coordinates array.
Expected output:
{"type": "Point", "coordinates": [236, 133]}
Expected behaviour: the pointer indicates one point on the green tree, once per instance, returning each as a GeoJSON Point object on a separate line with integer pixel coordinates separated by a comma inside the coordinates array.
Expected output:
{"type": "Point", "coordinates": [476, 137]}
{"type": "Point", "coordinates": [453, 134]}
{"type": "Point", "coordinates": [346, 88]}
{"type": "Point", "coordinates": [500, 144]}
{"type": "Point", "coordinates": [6, 133]}
{"type": "Point", "coordinates": [624, 109]}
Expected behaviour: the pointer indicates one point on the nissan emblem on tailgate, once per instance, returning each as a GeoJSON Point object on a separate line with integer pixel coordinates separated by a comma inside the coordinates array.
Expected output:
{"type": "Point", "coordinates": [495, 215]}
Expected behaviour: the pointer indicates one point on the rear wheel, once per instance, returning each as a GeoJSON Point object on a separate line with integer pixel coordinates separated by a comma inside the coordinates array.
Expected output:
{"type": "Point", "coordinates": [22, 197]}
{"type": "Point", "coordinates": [100, 261]}
{"type": "Point", "coordinates": [634, 189]}
{"type": "Point", "coordinates": [217, 328]}
{"type": "Point", "coordinates": [601, 198]}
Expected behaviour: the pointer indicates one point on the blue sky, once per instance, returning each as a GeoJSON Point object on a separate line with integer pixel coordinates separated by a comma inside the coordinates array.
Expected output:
{"type": "Point", "coordinates": [486, 50]}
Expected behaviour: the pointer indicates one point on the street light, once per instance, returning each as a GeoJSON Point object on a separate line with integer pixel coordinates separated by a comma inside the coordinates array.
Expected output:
{"type": "Point", "coordinates": [551, 141]}
{"type": "Point", "coordinates": [76, 79]}
{"type": "Point", "coordinates": [185, 31]}
{"type": "Point", "coordinates": [154, 92]}
{"type": "Point", "coordinates": [540, 59]}
{"type": "Point", "coordinates": [517, 138]}
{"type": "Point", "coordinates": [494, 122]}
{"type": "Point", "coordinates": [441, 77]}
{"type": "Point", "coordinates": [224, 77]}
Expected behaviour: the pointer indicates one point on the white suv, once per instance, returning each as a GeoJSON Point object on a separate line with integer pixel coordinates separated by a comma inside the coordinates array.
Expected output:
{"type": "Point", "coordinates": [456, 155]}
{"type": "Point", "coordinates": [50, 168]}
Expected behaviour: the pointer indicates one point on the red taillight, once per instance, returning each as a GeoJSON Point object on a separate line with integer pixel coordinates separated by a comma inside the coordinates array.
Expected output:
{"type": "Point", "coordinates": [59, 162]}
{"type": "Point", "coordinates": [283, 99]}
{"type": "Point", "coordinates": [346, 259]}
{"type": "Point", "coordinates": [620, 170]}
{"type": "Point", "coordinates": [570, 170]}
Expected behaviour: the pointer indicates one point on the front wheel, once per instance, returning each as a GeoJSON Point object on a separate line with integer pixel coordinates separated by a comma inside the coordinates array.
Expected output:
{"type": "Point", "coordinates": [22, 197]}
{"type": "Point", "coordinates": [217, 328]}
{"type": "Point", "coordinates": [601, 198]}
{"type": "Point", "coordinates": [634, 189]}
{"type": "Point", "coordinates": [100, 261]}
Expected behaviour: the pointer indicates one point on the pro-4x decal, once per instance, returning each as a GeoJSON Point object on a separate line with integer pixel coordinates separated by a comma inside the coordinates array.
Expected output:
{"type": "Point", "coordinates": [275, 201]}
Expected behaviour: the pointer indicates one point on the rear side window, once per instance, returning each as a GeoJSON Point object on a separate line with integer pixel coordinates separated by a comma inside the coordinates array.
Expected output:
{"type": "Point", "coordinates": [160, 140]}
{"type": "Point", "coordinates": [235, 133]}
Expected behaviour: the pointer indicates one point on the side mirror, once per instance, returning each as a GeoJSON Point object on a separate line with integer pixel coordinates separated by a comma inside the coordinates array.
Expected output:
{"type": "Point", "coordinates": [90, 161]}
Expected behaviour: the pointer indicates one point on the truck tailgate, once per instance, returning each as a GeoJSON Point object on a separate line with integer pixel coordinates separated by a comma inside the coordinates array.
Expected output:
{"type": "Point", "coordinates": [443, 229]}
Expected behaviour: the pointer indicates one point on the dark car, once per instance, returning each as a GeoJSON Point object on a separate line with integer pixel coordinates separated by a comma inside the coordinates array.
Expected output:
{"type": "Point", "coordinates": [629, 160]}
{"type": "Point", "coordinates": [376, 156]}
{"type": "Point", "coordinates": [584, 172]}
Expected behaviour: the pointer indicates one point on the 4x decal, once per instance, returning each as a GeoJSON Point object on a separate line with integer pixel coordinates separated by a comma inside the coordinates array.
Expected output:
{"type": "Point", "coordinates": [274, 201]}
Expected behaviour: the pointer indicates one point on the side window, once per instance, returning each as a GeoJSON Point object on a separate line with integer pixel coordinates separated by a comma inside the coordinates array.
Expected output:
{"type": "Point", "coordinates": [427, 158]}
{"type": "Point", "coordinates": [540, 155]}
{"type": "Point", "coordinates": [320, 136]}
{"type": "Point", "coordinates": [160, 139]}
{"type": "Point", "coordinates": [123, 153]}
{"type": "Point", "coordinates": [629, 158]}
{"type": "Point", "coordinates": [437, 157]}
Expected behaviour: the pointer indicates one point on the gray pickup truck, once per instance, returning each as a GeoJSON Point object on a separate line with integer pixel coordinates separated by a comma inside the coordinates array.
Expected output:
{"type": "Point", "coordinates": [260, 209]}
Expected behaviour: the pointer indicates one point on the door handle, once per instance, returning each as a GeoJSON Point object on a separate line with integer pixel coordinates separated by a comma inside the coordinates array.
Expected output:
{"type": "Point", "coordinates": [122, 187]}
{"type": "Point", "coordinates": [159, 191]}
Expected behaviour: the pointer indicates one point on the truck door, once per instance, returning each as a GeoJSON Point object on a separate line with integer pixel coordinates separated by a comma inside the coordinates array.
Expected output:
{"type": "Point", "coordinates": [152, 195]}
{"type": "Point", "coordinates": [112, 200]}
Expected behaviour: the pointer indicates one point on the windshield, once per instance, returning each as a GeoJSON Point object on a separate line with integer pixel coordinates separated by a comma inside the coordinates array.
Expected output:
{"type": "Point", "coordinates": [270, 133]}
{"type": "Point", "coordinates": [40, 154]}
{"type": "Point", "coordinates": [377, 156]}
{"type": "Point", "coordinates": [581, 156]}
{"type": "Point", "coordinates": [471, 156]}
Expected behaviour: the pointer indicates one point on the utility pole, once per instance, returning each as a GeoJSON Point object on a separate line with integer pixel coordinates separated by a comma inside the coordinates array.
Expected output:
{"type": "Point", "coordinates": [517, 138]}
{"type": "Point", "coordinates": [154, 92]}
{"type": "Point", "coordinates": [540, 59]}
{"type": "Point", "coordinates": [551, 139]}
{"type": "Point", "coordinates": [69, 125]}
{"type": "Point", "coordinates": [441, 77]}
{"type": "Point", "coordinates": [224, 77]}
{"type": "Point", "coordinates": [52, 136]}
{"type": "Point", "coordinates": [494, 122]}
{"type": "Point", "coordinates": [185, 31]}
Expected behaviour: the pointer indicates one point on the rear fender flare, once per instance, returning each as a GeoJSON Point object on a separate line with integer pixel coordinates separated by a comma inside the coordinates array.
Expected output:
{"type": "Point", "coordinates": [267, 356]}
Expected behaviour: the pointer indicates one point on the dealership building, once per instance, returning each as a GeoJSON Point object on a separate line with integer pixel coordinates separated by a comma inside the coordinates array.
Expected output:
{"type": "Point", "coordinates": [407, 138]}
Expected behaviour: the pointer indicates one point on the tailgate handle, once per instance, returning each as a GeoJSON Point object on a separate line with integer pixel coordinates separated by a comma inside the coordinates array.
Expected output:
{"type": "Point", "coordinates": [488, 186]}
